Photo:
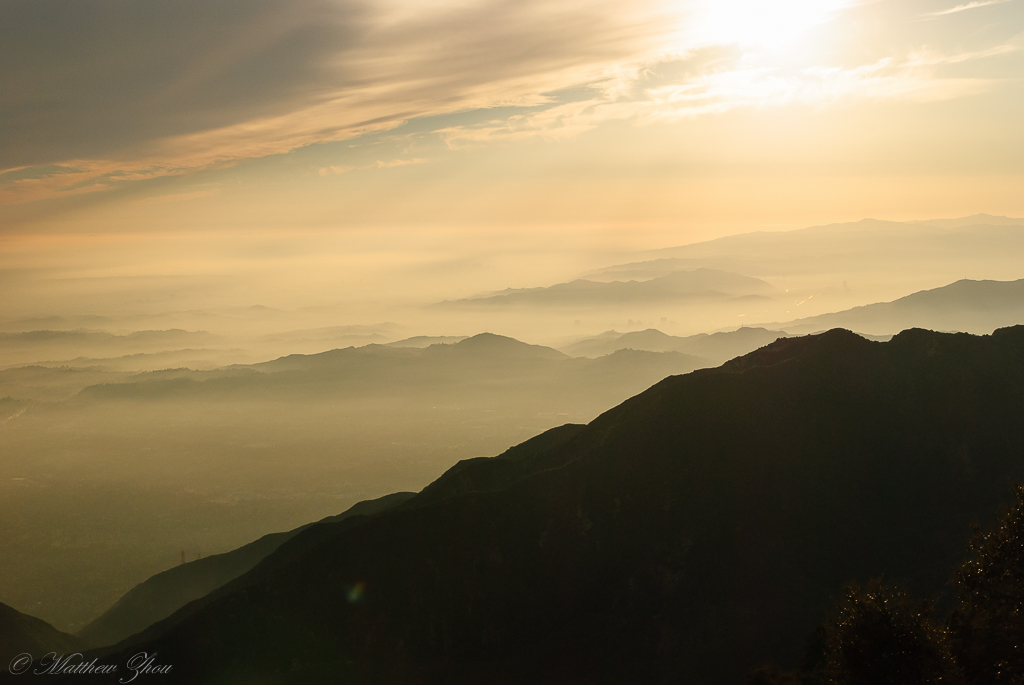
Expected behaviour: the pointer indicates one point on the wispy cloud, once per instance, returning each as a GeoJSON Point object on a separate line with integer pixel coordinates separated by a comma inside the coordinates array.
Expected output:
{"type": "Point", "coordinates": [926, 58]}
{"type": "Point", "coordinates": [189, 84]}
{"type": "Point", "coordinates": [967, 6]}
{"type": "Point", "coordinates": [337, 170]}
{"type": "Point", "coordinates": [183, 85]}
{"type": "Point", "coordinates": [399, 162]}
{"type": "Point", "coordinates": [725, 85]}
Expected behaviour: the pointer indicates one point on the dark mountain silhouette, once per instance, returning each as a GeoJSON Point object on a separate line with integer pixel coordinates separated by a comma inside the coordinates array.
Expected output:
{"type": "Point", "coordinates": [708, 284]}
{"type": "Point", "coordinates": [967, 306]}
{"type": "Point", "coordinates": [715, 347]}
{"type": "Point", "coordinates": [157, 598]}
{"type": "Point", "coordinates": [692, 532]}
{"type": "Point", "coordinates": [303, 430]}
{"type": "Point", "coordinates": [21, 634]}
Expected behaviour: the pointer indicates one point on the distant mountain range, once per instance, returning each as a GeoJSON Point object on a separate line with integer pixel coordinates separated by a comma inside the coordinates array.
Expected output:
{"type": "Point", "coordinates": [498, 366]}
{"type": "Point", "coordinates": [768, 276]}
{"type": "Point", "coordinates": [717, 348]}
{"type": "Point", "coordinates": [299, 433]}
{"type": "Point", "coordinates": [705, 284]}
{"type": "Point", "coordinates": [967, 306]}
{"type": "Point", "coordinates": [696, 530]}
{"type": "Point", "coordinates": [199, 359]}
{"type": "Point", "coordinates": [427, 340]}
{"type": "Point", "coordinates": [32, 346]}
{"type": "Point", "coordinates": [146, 350]}
{"type": "Point", "coordinates": [895, 249]}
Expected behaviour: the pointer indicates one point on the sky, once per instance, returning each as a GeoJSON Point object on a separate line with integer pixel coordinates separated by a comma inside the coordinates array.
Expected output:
{"type": "Point", "coordinates": [186, 153]}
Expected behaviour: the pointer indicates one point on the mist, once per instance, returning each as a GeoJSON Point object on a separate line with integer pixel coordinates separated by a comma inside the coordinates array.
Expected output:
{"type": "Point", "coordinates": [473, 291]}
{"type": "Point", "coordinates": [217, 419]}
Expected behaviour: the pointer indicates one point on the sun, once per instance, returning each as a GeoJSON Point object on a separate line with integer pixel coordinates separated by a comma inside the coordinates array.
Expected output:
{"type": "Point", "coordinates": [767, 24]}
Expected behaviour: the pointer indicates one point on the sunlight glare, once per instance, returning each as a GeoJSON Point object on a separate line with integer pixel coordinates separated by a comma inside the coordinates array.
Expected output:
{"type": "Point", "coordinates": [771, 25]}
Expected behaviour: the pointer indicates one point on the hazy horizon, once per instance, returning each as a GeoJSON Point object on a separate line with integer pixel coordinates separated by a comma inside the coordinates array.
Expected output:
{"type": "Point", "coordinates": [373, 156]}
{"type": "Point", "coordinates": [218, 218]}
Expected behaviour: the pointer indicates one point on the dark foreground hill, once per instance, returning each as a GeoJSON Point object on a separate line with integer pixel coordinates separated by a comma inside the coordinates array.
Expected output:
{"type": "Point", "coordinates": [160, 596]}
{"type": "Point", "coordinates": [694, 531]}
{"type": "Point", "coordinates": [20, 634]}
{"type": "Point", "coordinates": [215, 459]}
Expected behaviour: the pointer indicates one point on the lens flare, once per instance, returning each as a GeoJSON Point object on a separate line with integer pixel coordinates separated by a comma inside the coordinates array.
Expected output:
{"type": "Point", "coordinates": [356, 593]}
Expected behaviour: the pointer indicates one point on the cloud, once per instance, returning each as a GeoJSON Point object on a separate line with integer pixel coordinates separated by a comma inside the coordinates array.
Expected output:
{"type": "Point", "coordinates": [715, 80]}
{"type": "Point", "coordinates": [104, 79]}
{"type": "Point", "coordinates": [114, 88]}
{"type": "Point", "coordinates": [968, 6]}
{"type": "Point", "coordinates": [925, 58]}
{"type": "Point", "coordinates": [337, 170]}
{"type": "Point", "coordinates": [99, 93]}
{"type": "Point", "coordinates": [399, 162]}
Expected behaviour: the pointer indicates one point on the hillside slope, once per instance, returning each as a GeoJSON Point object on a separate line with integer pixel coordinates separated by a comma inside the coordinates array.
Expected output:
{"type": "Point", "coordinates": [160, 596]}
{"type": "Point", "coordinates": [696, 530]}
{"type": "Point", "coordinates": [24, 634]}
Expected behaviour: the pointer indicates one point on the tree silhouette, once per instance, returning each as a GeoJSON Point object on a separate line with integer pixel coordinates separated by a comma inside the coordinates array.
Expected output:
{"type": "Point", "coordinates": [987, 627]}
{"type": "Point", "coordinates": [880, 636]}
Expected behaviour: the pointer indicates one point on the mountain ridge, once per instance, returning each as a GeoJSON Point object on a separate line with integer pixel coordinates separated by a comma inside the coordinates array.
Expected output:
{"type": "Point", "coordinates": [966, 305]}
{"type": "Point", "coordinates": [693, 531]}
{"type": "Point", "coordinates": [717, 348]}
{"type": "Point", "coordinates": [701, 283]}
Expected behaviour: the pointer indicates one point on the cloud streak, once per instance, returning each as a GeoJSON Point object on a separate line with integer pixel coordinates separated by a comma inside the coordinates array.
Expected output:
{"type": "Point", "coordinates": [115, 88]}
{"type": "Point", "coordinates": [716, 81]}
{"type": "Point", "coordinates": [967, 6]}
{"type": "Point", "coordinates": [99, 93]}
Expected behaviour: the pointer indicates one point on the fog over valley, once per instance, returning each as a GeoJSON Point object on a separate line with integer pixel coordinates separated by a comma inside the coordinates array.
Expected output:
{"type": "Point", "coordinates": [212, 447]}
{"type": "Point", "coordinates": [447, 342]}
